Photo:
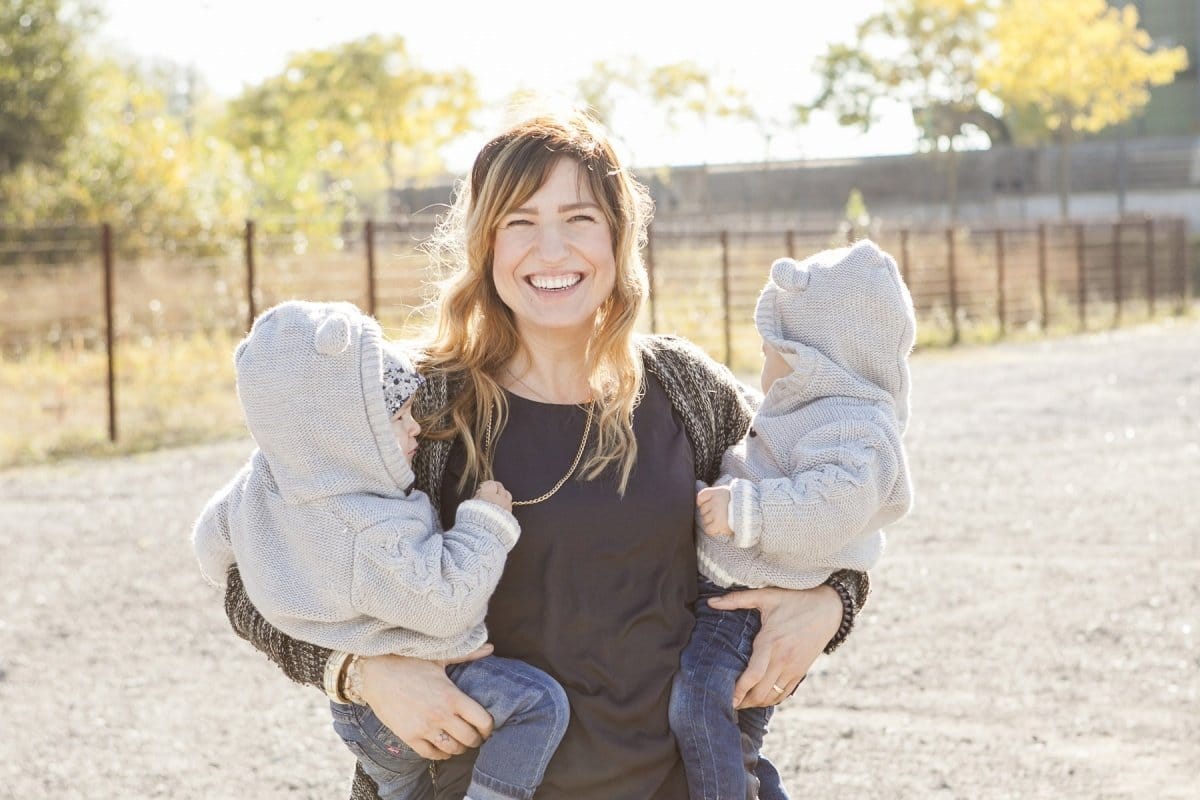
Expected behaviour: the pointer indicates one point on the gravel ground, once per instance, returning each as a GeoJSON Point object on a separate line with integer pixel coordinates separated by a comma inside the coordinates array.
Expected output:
{"type": "Point", "coordinates": [1033, 631]}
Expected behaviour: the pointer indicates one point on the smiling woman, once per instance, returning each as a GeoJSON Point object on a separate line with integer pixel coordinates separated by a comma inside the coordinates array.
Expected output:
{"type": "Point", "coordinates": [535, 377]}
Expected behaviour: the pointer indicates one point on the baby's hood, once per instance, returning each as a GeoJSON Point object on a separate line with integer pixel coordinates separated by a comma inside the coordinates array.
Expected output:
{"type": "Point", "coordinates": [844, 320]}
{"type": "Point", "coordinates": [310, 380]}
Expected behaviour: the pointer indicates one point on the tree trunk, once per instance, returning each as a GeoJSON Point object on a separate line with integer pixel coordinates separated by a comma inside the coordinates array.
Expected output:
{"type": "Point", "coordinates": [951, 167]}
{"type": "Point", "coordinates": [389, 164]}
{"type": "Point", "coordinates": [1064, 172]}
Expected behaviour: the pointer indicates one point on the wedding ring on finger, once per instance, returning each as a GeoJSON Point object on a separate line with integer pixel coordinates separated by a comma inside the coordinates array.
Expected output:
{"type": "Point", "coordinates": [775, 686]}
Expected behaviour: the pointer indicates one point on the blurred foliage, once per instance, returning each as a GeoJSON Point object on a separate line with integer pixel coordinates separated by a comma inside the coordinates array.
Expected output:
{"type": "Point", "coordinates": [41, 90]}
{"type": "Point", "coordinates": [132, 161]}
{"type": "Point", "coordinates": [678, 90]}
{"type": "Point", "coordinates": [144, 145]}
{"type": "Point", "coordinates": [1070, 67]}
{"type": "Point", "coordinates": [339, 127]}
{"type": "Point", "coordinates": [921, 53]}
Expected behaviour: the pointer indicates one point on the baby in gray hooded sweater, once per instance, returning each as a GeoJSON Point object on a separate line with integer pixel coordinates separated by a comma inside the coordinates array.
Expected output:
{"type": "Point", "coordinates": [805, 494]}
{"type": "Point", "coordinates": [335, 547]}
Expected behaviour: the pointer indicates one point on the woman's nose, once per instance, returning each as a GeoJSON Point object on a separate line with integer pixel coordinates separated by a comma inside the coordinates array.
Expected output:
{"type": "Point", "coordinates": [552, 245]}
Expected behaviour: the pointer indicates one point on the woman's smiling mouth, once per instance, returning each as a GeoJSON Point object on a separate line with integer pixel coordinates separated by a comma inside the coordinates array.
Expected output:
{"type": "Point", "coordinates": [553, 283]}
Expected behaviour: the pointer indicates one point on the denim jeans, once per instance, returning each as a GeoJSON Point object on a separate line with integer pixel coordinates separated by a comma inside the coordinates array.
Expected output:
{"type": "Point", "coordinates": [530, 712]}
{"type": "Point", "coordinates": [719, 744]}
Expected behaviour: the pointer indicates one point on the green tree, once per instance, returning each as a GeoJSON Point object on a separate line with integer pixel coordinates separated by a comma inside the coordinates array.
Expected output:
{"type": "Point", "coordinates": [41, 92]}
{"type": "Point", "coordinates": [132, 164]}
{"type": "Point", "coordinates": [923, 54]}
{"type": "Point", "coordinates": [350, 121]}
{"type": "Point", "coordinates": [1073, 67]}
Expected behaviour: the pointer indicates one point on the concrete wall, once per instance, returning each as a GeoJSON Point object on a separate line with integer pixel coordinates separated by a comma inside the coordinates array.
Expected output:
{"type": "Point", "coordinates": [1159, 175]}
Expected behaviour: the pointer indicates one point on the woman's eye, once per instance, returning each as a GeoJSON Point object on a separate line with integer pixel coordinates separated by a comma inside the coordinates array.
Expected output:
{"type": "Point", "coordinates": [582, 218]}
{"type": "Point", "coordinates": [513, 223]}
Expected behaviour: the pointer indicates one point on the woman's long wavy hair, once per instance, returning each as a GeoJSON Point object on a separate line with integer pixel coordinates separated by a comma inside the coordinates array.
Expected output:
{"type": "Point", "coordinates": [475, 334]}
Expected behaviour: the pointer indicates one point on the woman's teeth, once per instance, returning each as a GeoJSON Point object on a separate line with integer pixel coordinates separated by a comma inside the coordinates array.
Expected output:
{"type": "Point", "coordinates": [552, 282]}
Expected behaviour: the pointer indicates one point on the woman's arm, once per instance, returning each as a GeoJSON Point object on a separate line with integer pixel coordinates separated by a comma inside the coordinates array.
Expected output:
{"type": "Point", "coordinates": [414, 698]}
{"type": "Point", "coordinates": [304, 663]}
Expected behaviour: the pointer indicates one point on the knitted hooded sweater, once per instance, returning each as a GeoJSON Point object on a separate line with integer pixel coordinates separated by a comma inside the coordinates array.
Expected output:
{"type": "Point", "coordinates": [331, 545]}
{"type": "Point", "coordinates": [823, 467]}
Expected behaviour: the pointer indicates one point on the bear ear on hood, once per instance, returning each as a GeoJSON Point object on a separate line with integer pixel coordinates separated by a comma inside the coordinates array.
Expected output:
{"type": "Point", "coordinates": [333, 335]}
{"type": "Point", "coordinates": [790, 275]}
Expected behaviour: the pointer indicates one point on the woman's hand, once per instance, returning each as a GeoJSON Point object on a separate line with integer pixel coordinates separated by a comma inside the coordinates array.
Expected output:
{"type": "Point", "coordinates": [796, 626]}
{"type": "Point", "coordinates": [419, 704]}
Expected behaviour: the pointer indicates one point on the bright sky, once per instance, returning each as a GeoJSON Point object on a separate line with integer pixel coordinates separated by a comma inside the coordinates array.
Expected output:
{"type": "Point", "coordinates": [765, 47]}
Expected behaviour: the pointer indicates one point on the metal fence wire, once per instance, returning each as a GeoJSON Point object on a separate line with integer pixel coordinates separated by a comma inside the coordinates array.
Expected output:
{"type": "Point", "coordinates": [94, 287]}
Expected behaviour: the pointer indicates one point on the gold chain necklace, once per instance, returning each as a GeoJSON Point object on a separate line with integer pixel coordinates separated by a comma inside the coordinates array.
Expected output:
{"type": "Point", "coordinates": [587, 427]}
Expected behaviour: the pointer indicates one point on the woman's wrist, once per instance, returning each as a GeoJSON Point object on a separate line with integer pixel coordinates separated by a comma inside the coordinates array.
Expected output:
{"type": "Point", "coordinates": [335, 674]}
{"type": "Point", "coordinates": [849, 610]}
{"type": "Point", "coordinates": [343, 679]}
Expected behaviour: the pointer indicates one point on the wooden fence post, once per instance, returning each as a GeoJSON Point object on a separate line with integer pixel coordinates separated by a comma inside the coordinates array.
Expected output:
{"type": "Point", "coordinates": [650, 279]}
{"type": "Point", "coordinates": [106, 255]}
{"type": "Point", "coordinates": [1042, 270]}
{"type": "Point", "coordinates": [1116, 273]}
{"type": "Point", "coordinates": [904, 265]}
{"type": "Point", "coordinates": [789, 244]}
{"type": "Point", "coordinates": [952, 276]}
{"type": "Point", "coordinates": [1181, 259]}
{"type": "Point", "coordinates": [1081, 275]}
{"type": "Point", "coordinates": [369, 239]}
{"type": "Point", "coordinates": [1000, 309]}
{"type": "Point", "coordinates": [1150, 287]}
{"type": "Point", "coordinates": [728, 328]}
{"type": "Point", "coordinates": [249, 237]}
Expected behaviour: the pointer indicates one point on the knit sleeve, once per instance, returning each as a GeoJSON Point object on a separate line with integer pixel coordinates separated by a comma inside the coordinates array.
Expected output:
{"type": "Point", "coordinates": [848, 477]}
{"type": "Point", "coordinates": [432, 582]}
{"type": "Point", "coordinates": [302, 662]}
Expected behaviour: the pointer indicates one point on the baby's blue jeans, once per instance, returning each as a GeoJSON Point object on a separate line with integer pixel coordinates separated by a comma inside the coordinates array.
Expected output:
{"type": "Point", "coordinates": [719, 744]}
{"type": "Point", "coordinates": [530, 713]}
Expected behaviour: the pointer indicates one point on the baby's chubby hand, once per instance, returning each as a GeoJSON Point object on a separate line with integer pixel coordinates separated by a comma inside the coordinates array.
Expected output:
{"type": "Point", "coordinates": [713, 506]}
{"type": "Point", "coordinates": [494, 492]}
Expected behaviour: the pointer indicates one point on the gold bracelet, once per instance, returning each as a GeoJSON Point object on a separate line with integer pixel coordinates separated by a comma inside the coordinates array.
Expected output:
{"type": "Point", "coordinates": [351, 684]}
{"type": "Point", "coordinates": [335, 665]}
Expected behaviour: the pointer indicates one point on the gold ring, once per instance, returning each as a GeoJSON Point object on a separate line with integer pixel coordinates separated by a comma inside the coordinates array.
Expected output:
{"type": "Point", "coordinates": [775, 686]}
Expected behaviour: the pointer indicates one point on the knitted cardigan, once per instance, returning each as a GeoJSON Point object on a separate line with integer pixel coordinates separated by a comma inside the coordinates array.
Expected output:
{"type": "Point", "coordinates": [714, 413]}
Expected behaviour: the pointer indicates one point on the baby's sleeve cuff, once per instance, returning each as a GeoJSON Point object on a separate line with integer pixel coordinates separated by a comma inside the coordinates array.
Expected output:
{"type": "Point", "coordinates": [492, 518]}
{"type": "Point", "coordinates": [745, 516]}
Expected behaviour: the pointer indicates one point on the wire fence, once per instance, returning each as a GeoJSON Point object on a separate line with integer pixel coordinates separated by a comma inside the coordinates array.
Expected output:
{"type": "Point", "coordinates": [126, 295]}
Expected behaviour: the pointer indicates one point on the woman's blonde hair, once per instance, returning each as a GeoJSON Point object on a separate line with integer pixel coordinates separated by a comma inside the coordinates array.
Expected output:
{"type": "Point", "coordinates": [475, 334]}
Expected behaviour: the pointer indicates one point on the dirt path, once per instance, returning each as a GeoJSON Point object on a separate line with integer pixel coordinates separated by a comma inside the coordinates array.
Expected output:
{"type": "Point", "coordinates": [1033, 631]}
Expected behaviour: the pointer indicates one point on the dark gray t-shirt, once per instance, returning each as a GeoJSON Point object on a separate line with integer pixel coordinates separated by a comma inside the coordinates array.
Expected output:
{"type": "Point", "coordinates": [597, 593]}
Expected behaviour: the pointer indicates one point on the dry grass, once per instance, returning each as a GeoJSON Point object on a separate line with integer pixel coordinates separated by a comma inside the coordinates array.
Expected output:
{"type": "Point", "coordinates": [179, 314]}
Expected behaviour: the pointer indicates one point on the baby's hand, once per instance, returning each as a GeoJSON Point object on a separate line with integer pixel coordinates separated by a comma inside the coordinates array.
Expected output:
{"type": "Point", "coordinates": [713, 504]}
{"type": "Point", "coordinates": [494, 493]}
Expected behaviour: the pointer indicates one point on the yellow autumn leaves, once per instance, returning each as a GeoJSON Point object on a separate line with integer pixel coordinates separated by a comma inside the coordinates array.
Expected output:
{"type": "Point", "coordinates": [1083, 64]}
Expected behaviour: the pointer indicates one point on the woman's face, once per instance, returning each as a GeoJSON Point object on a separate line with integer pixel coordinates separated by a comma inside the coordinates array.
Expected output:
{"type": "Point", "coordinates": [553, 260]}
